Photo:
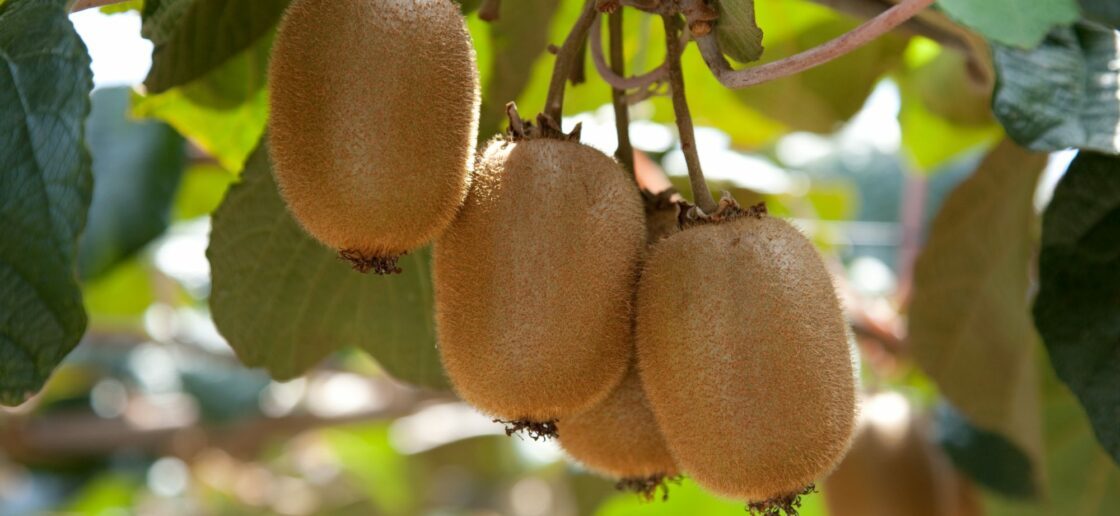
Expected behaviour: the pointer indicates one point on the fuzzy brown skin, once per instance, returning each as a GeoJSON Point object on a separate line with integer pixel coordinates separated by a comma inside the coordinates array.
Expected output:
{"type": "Point", "coordinates": [373, 119]}
{"type": "Point", "coordinates": [744, 356]}
{"type": "Point", "coordinates": [534, 280]}
{"type": "Point", "coordinates": [618, 437]}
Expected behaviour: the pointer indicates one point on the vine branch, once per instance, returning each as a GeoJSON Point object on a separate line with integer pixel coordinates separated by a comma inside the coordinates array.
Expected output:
{"type": "Point", "coordinates": [858, 37]}
{"type": "Point", "coordinates": [567, 58]}
{"type": "Point", "coordinates": [614, 77]}
{"type": "Point", "coordinates": [625, 151]}
{"type": "Point", "coordinates": [700, 193]}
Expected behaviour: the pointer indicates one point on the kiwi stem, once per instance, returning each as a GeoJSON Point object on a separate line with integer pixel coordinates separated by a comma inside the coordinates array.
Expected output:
{"type": "Point", "coordinates": [566, 59]}
{"type": "Point", "coordinates": [816, 56]}
{"type": "Point", "coordinates": [625, 152]}
{"type": "Point", "coordinates": [700, 193]}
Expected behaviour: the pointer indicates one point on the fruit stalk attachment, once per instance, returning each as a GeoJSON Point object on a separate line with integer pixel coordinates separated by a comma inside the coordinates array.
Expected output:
{"type": "Point", "coordinates": [625, 152]}
{"type": "Point", "coordinates": [700, 193]}
{"type": "Point", "coordinates": [566, 59]}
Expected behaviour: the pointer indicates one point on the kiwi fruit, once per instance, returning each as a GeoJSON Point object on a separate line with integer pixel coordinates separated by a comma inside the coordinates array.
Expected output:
{"type": "Point", "coordinates": [744, 355]}
{"type": "Point", "coordinates": [373, 119]}
{"type": "Point", "coordinates": [894, 468]}
{"type": "Point", "coordinates": [534, 279]}
{"type": "Point", "coordinates": [618, 438]}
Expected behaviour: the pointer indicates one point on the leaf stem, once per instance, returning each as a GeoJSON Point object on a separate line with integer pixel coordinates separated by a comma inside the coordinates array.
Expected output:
{"type": "Point", "coordinates": [625, 152]}
{"type": "Point", "coordinates": [700, 193]}
{"type": "Point", "coordinates": [567, 58]}
{"type": "Point", "coordinates": [856, 38]}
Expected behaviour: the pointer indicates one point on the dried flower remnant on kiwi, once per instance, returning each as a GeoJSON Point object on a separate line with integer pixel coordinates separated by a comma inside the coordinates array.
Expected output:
{"type": "Point", "coordinates": [647, 487]}
{"type": "Point", "coordinates": [536, 430]}
{"type": "Point", "coordinates": [382, 265]}
{"type": "Point", "coordinates": [777, 506]}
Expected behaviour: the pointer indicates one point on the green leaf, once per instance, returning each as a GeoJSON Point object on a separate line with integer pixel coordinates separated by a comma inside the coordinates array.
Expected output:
{"type": "Point", "coordinates": [739, 35]}
{"type": "Point", "coordinates": [988, 458]}
{"type": "Point", "coordinates": [815, 100]}
{"type": "Point", "coordinates": [1012, 22]}
{"type": "Point", "coordinates": [208, 34]}
{"type": "Point", "coordinates": [161, 18]}
{"type": "Point", "coordinates": [201, 191]}
{"type": "Point", "coordinates": [1081, 478]}
{"type": "Point", "coordinates": [45, 189]}
{"type": "Point", "coordinates": [1065, 93]}
{"type": "Point", "coordinates": [1102, 11]}
{"type": "Point", "coordinates": [1077, 310]}
{"type": "Point", "coordinates": [516, 40]}
{"type": "Point", "coordinates": [136, 170]}
{"type": "Point", "coordinates": [970, 328]}
{"type": "Point", "coordinates": [285, 302]}
{"type": "Point", "coordinates": [224, 113]}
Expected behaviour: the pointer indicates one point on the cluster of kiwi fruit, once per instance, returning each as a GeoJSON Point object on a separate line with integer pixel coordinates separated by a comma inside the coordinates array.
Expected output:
{"type": "Point", "coordinates": [568, 303]}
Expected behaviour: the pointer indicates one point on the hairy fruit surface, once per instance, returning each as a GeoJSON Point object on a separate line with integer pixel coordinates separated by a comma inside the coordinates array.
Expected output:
{"type": "Point", "coordinates": [744, 356]}
{"type": "Point", "coordinates": [534, 280]}
{"type": "Point", "coordinates": [618, 437]}
{"type": "Point", "coordinates": [373, 120]}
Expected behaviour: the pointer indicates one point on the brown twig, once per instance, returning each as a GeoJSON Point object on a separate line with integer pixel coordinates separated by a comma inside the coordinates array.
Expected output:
{"type": "Point", "coordinates": [566, 58]}
{"type": "Point", "coordinates": [924, 26]}
{"type": "Point", "coordinates": [625, 152]}
{"type": "Point", "coordinates": [700, 193]}
{"type": "Point", "coordinates": [856, 38]}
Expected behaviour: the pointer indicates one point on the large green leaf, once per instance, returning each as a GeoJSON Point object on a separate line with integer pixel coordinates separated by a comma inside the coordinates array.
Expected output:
{"type": "Point", "coordinates": [1102, 11]}
{"type": "Point", "coordinates": [208, 34]}
{"type": "Point", "coordinates": [161, 19]}
{"type": "Point", "coordinates": [1081, 479]}
{"type": "Point", "coordinates": [970, 327]}
{"type": "Point", "coordinates": [739, 35]}
{"type": "Point", "coordinates": [1012, 22]}
{"type": "Point", "coordinates": [136, 170]}
{"type": "Point", "coordinates": [45, 189]}
{"type": "Point", "coordinates": [1065, 93]}
{"type": "Point", "coordinates": [285, 302]}
{"type": "Point", "coordinates": [224, 112]}
{"type": "Point", "coordinates": [516, 40]}
{"type": "Point", "coordinates": [1078, 306]}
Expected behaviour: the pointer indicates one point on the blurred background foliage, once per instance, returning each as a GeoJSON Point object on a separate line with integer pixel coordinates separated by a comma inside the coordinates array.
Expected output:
{"type": "Point", "coordinates": [231, 365]}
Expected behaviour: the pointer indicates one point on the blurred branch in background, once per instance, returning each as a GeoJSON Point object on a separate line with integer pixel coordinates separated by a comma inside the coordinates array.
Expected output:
{"type": "Point", "coordinates": [168, 424]}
